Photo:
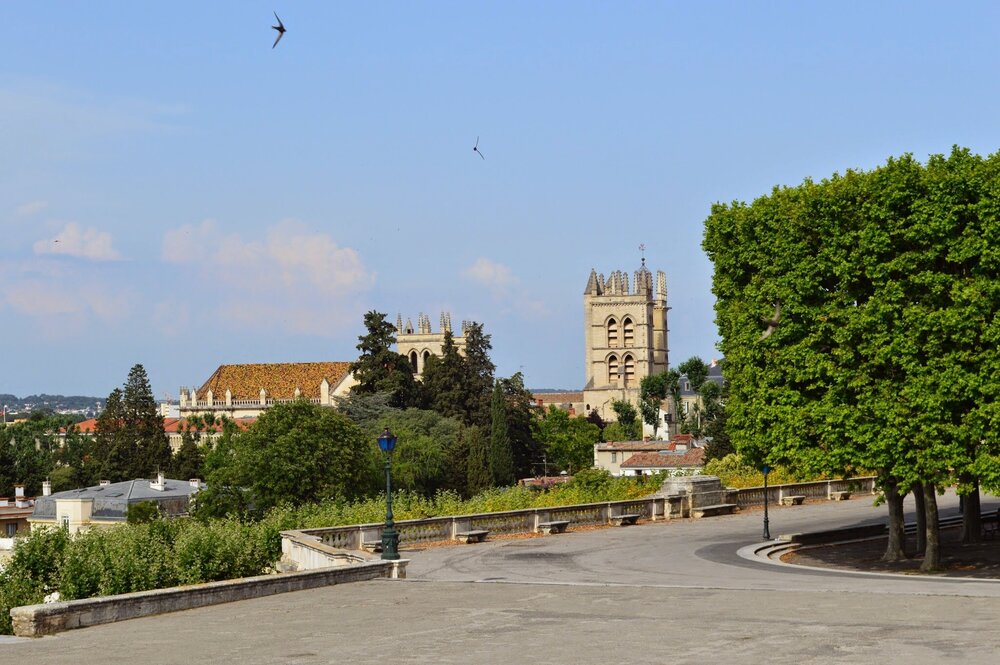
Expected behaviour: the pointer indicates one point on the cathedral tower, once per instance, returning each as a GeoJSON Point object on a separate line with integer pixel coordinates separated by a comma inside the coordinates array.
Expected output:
{"type": "Point", "coordinates": [418, 344]}
{"type": "Point", "coordinates": [625, 335]}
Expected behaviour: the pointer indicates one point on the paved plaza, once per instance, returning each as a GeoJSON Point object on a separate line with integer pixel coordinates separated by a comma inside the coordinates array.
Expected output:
{"type": "Point", "coordinates": [659, 593]}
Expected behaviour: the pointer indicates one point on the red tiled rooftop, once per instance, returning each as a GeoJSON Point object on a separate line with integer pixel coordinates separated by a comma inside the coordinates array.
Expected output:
{"type": "Point", "coordinates": [693, 457]}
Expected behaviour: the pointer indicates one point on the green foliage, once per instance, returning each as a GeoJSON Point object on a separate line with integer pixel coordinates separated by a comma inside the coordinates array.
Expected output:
{"type": "Point", "coordinates": [735, 472]}
{"type": "Point", "coordinates": [428, 448]}
{"type": "Point", "coordinates": [379, 369]}
{"type": "Point", "coordinates": [696, 371]}
{"type": "Point", "coordinates": [478, 477]}
{"type": "Point", "coordinates": [886, 353]}
{"type": "Point", "coordinates": [628, 420]}
{"type": "Point", "coordinates": [296, 453]}
{"type": "Point", "coordinates": [189, 460]}
{"type": "Point", "coordinates": [568, 442]}
{"type": "Point", "coordinates": [501, 457]}
{"type": "Point", "coordinates": [142, 512]}
{"type": "Point", "coordinates": [521, 425]}
{"type": "Point", "coordinates": [653, 389]}
{"type": "Point", "coordinates": [32, 572]}
{"type": "Point", "coordinates": [130, 438]}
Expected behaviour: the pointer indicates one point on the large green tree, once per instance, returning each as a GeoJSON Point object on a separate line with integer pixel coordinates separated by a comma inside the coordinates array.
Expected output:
{"type": "Point", "coordinates": [653, 389]}
{"type": "Point", "coordinates": [379, 369]}
{"type": "Point", "coordinates": [294, 453]}
{"type": "Point", "coordinates": [131, 442]}
{"type": "Point", "coordinates": [568, 442]}
{"type": "Point", "coordinates": [501, 454]}
{"type": "Point", "coordinates": [858, 318]}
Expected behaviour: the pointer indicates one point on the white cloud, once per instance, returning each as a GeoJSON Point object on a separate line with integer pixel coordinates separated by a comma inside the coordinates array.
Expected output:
{"type": "Point", "coordinates": [44, 299]}
{"type": "Point", "coordinates": [505, 287]}
{"type": "Point", "coordinates": [490, 273]}
{"type": "Point", "coordinates": [31, 208]}
{"type": "Point", "coordinates": [189, 242]}
{"type": "Point", "coordinates": [293, 278]}
{"type": "Point", "coordinates": [74, 240]}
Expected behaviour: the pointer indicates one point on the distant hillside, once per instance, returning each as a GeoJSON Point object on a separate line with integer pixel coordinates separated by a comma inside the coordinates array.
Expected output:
{"type": "Point", "coordinates": [17, 404]}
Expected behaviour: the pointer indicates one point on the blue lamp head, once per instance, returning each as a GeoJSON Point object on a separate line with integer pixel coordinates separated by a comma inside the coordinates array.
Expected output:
{"type": "Point", "coordinates": [764, 469]}
{"type": "Point", "coordinates": [387, 441]}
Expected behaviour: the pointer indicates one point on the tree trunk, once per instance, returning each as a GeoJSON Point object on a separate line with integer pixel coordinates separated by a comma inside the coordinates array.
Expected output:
{"type": "Point", "coordinates": [918, 498]}
{"type": "Point", "coordinates": [894, 551]}
{"type": "Point", "coordinates": [972, 524]}
{"type": "Point", "coordinates": [932, 555]}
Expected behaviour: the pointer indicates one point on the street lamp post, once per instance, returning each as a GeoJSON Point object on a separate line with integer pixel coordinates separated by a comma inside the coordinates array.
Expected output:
{"type": "Point", "coordinates": [767, 527]}
{"type": "Point", "coordinates": [390, 537]}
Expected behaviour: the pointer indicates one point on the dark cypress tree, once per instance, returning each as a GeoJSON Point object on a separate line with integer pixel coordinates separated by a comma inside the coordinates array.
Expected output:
{"type": "Point", "coordinates": [444, 384]}
{"type": "Point", "coordinates": [478, 375]}
{"type": "Point", "coordinates": [478, 468]}
{"type": "Point", "coordinates": [525, 449]}
{"type": "Point", "coordinates": [150, 450]}
{"type": "Point", "coordinates": [111, 437]}
{"type": "Point", "coordinates": [379, 369]}
{"type": "Point", "coordinates": [501, 455]}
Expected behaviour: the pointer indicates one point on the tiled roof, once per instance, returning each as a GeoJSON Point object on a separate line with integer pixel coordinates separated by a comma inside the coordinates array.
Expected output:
{"type": "Point", "coordinates": [172, 425]}
{"type": "Point", "coordinates": [692, 457]}
{"type": "Point", "coordinates": [279, 379]}
{"type": "Point", "coordinates": [635, 445]}
{"type": "Point", "coordinates": [558, 398]}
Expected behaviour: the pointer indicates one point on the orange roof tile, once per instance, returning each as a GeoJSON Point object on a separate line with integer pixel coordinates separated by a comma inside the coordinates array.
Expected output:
{"type": "Point", "coordinates": [692, 457]}
{"type": "Point", "coordinates": [279, 379]}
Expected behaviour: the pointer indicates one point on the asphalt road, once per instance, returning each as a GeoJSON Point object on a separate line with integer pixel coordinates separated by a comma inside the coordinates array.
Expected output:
{"type": "Point", "coordinates": [659, 593]}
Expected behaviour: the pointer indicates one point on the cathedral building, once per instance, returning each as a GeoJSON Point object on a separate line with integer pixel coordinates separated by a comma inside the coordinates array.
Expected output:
{"type": "Point", "coordinates": [420, 343]}
{"type": "Point", "coordinates": [625, 336]}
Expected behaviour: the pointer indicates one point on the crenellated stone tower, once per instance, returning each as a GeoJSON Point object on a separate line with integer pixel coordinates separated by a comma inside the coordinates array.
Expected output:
{"type": "Point", "coordinates": [418, 344]}
{"type": "Point", "coordinates": [625, 335]}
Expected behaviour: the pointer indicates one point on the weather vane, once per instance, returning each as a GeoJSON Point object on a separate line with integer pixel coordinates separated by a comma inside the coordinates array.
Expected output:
{"type": "Point", "coordinates": [642, 249]}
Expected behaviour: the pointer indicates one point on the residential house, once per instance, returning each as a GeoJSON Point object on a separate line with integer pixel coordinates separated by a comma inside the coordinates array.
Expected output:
{"type": "Point", "coordinates": [107, 504]}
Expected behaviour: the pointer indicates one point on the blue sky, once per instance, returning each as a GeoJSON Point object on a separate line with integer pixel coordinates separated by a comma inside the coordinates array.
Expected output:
{"type": "Point", "coordinates": [217, 201]}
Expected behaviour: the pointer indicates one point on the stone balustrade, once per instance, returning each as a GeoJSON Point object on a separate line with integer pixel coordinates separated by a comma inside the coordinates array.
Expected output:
{"type": "Point", "coordinates": [437, 529]}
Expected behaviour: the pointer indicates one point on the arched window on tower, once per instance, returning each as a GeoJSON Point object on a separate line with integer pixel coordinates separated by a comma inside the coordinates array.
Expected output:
{"type": "Point", "coordinates": [612, 333]}
{"type": "Point", "coordinates": [427, 354]}
{"type": "Point", "coordinates": [613, 370]}
{"type": "Point", "coordinates": [413, 361]}
{"type": "Point", "coordinates": [629, 363]}
{"type": "Point", "coordinates": [628, 331]}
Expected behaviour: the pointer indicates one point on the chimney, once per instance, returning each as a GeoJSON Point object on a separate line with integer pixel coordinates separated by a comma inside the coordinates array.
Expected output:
{"type": "Point", "coordinates": [195, 483]}
{"type": "Point", "coordinates": [160, 484]}
{"type": "Point", "coordinates": [105, 483]}
{"type": "Point", "coordinates": [18, 491]}
{"type": "Point", "coordinates": [46, 487]}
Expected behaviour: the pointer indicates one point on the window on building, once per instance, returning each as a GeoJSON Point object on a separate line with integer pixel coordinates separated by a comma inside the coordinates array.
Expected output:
{"type": "Point", "coordinates": [65, 522]}
{"type": "Point", "coordinates": [629, 363]}
{"type": "Point", "coordinates": [612, 333]}
{"type": "Point", "coordinates": [11, 529]}
{"type": "Point", "coordinates": [628, 331]}
{"type": "Point", "coordinates": [613, 370]}
{"type": "Point", "coordinates": [614, 457]}
{"type": "Point", "coordinates": [427, 354]}
{"type": "Point", "coordinates": [413, 361]}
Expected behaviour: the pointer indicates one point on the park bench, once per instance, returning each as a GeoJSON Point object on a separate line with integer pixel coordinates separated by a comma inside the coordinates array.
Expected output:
{"type": "Point", "coordinates": [840, 496]}
{"type": "Point", "coordinates": [717, 509]}
{"type": "Point", "coordinates": [991, 524]}
{"type": "Point", "coordinates": [626, 519]}
{"type": "Point", "coordinates": [555, 526]}
{"type": "Point", "coordinates": [476, 536]}
{"type": "Point", "coordinates": [793, 500]}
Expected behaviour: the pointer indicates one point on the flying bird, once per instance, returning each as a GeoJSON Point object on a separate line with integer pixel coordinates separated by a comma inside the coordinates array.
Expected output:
{"type": "Point", "coordinates": [280, 28]}
{"type": "Point", "coordinates": [772, 323]}
{"type": "Point", "coordinates": [476, 149]}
